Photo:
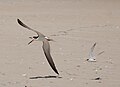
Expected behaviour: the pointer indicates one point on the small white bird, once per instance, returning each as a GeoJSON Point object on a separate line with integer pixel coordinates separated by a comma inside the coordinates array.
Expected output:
{"type": "Point", "coordinates": [92, 57]}
{"type": "Point", "coordinates": [46, 45]}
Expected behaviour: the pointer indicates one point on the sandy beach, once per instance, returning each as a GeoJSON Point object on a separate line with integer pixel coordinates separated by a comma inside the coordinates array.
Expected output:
{"type": "Point", "coordinates": [75, 25]}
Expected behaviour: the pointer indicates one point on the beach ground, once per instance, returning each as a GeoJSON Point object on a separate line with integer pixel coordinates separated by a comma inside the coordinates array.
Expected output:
{"type": "Point", "coordinates": [75, 25]}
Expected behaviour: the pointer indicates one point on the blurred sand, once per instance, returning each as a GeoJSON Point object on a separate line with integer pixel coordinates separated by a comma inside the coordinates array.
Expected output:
{"type": "Point", "coordinates": [75, 25]}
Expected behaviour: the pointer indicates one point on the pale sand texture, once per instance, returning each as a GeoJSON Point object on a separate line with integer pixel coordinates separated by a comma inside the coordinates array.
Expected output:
{"type": "Point", "coordinates": [75, 25]}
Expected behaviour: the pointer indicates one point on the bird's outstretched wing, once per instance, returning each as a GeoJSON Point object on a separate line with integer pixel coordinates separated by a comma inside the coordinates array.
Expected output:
{"type": "Point", "coordinates": [91, 55]}
{"type": "Point", "coordinates": [46, 49]}
{"type": "Point", "coordinates": [25, 26]}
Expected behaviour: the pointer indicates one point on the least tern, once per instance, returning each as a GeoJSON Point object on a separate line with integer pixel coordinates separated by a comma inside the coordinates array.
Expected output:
{"type": "Point", "coordinates": [92, 57]}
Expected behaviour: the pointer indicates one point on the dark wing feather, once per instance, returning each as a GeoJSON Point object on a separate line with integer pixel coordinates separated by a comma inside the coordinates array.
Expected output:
{"type": "Point", "coordinates": [25, 26]}
{"type": "Point", "coordinates": [46, 49]}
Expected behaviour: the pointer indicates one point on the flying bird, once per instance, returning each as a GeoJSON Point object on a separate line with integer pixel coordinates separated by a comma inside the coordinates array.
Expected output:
{"type": "Point", "coordinates": [92, 57]}
{"type": "Point", "coordinates": [46, 45]}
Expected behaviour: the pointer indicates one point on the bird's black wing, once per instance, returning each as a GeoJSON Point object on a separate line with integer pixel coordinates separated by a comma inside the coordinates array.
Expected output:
{"type": "Point", "coordinates": [46, 49]}
{"type": "Point", "coordinates": [25, 26]}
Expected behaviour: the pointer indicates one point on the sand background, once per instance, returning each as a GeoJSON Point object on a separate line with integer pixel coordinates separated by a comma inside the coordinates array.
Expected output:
{"type": "Point", "coordinates": [75, 25]}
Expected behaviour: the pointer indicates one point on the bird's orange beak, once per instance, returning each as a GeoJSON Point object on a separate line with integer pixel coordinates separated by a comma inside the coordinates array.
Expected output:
{"type": "Point", "coordinates": [31, 41]}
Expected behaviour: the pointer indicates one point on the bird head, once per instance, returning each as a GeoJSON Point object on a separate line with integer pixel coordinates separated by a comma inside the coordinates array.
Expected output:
{"type": "Point", "coordinates": [33, 39]}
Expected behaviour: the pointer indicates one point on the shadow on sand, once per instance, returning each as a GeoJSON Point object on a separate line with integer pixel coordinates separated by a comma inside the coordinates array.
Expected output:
{"type": "Point", "coordinates": [38, 77]}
